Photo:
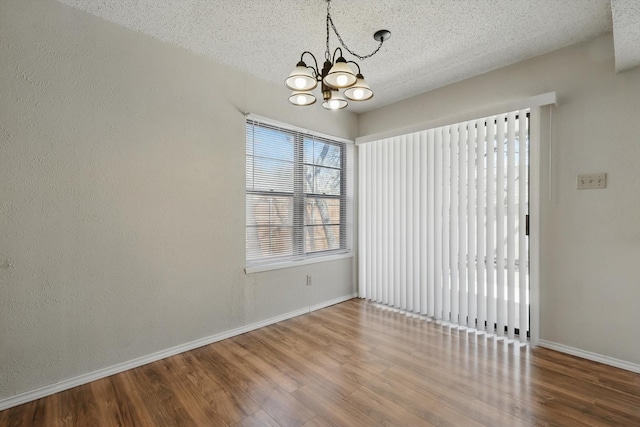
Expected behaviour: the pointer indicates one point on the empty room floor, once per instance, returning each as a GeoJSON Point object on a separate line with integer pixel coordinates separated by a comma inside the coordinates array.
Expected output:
{"type": "Point", "coordinates": [352, 364]}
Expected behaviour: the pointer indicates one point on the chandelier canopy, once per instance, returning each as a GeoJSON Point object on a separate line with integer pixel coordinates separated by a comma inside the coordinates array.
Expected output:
{"type": "Point", "coordinates": [337, 74]}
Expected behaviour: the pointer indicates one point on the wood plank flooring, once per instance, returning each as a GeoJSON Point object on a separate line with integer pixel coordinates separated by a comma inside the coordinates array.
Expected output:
{"type": "Point", "coordinates": [352, 364]}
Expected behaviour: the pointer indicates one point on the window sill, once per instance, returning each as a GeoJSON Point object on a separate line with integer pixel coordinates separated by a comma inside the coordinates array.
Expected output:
{"type": "Point", "coordinates": [298, 263]}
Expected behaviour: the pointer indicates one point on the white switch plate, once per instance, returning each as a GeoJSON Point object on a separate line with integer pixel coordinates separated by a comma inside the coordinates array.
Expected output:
{"type": "Point", "coordinates": [592, 180]}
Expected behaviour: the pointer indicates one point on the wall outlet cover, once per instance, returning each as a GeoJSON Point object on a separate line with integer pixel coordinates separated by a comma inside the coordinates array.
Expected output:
{"type": "Point", "coordinates": [592, 181]}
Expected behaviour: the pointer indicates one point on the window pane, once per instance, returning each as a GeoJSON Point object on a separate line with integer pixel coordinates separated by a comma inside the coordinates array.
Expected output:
{"type": "Point", "coordinates": [271, 175]}
{"type": "Point", "coordinates": [309, 182]}
{"type": "Point", "coordinates": [327, 181]}
{"type": "Point", "coordinates": [322, 237]}
{"type": "Point", "coordinates": [319, 180]}
{"type": "Point", "coordinates": [308, 150]}
{"type": "Point", "coordinates": [272, 143]}
{"type": "Point", "coordinates": [322, 153]}
{"type": "Point", "coordinates": [321, 211]}
{"type": "Point", "coordinates": [268, 242]}
{"type": "Point", "coordinates": [263, 210]}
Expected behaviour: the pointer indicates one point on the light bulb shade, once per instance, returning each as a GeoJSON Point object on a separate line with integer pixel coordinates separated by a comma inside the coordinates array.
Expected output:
{"type": "Point", "coordinates": [340, 75]}
{"type": "Point", "coordinates": [360, 91]}
{"type": "Point", "coordinates": [301, 99]}
{"type": "Point", "coordinates": [301, 79]}
{"type": "Point", "coordinates": [335, 102]}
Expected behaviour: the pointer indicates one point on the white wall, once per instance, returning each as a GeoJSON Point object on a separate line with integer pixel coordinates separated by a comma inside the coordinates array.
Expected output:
{"type": "Point", "coordinates": [122, 197]}
{"type": "Point", "coordinates": [590, 239]}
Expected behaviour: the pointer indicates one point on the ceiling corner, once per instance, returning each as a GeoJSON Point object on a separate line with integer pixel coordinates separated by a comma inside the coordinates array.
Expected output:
{"type": "Point", "coordinates": [626, 33]}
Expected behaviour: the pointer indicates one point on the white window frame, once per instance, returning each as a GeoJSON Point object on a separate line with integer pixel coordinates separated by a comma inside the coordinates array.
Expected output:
{"type": "Point", "coordinates": [312, 258]}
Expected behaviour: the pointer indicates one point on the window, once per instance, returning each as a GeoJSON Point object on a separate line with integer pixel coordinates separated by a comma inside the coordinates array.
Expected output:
{"type": "Point", "coordinates": [296, 194]}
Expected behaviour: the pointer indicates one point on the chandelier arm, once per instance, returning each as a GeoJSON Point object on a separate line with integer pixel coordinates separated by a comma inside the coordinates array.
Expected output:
{"type": "Point", "coordinates": [333, 61]}
{"type": "Point", "coordinates": [315, 70]}
{"type": "Point", "coordinates": [335, 30]}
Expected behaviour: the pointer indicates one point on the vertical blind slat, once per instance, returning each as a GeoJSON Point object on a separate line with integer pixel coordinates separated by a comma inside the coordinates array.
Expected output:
{"type": "Point", "coordinates": [491, 227]}
{"type": "Point", "coordinates": [410, 232]}
{"type": "Point", "coordinates": [511, 225]}
{"type": "Point", "coordinates": [362, 222]}
{"type": "Point", "coordinates": [389, 158]}
{"type": "Point", "coordinates": [403, 223]}
{"type": "Point", "coordinates": [500, 226]}
{"type": "Point", "coordinates": [418, 237]}
{"type": "Point", "coordinates": [378, 221]}
{"type": "Point", "coordinates": [429, 308]}
{"type": "Point", "coordinates": [424, 213]}
{"type": "Point", "coordinates": [368, 225]}
{"type": "Point", "coordinates": [446, 235]}
{"type": "Point", "coordinates": [372, 224]}
{"type": "Point", "coordinates": [523, 181]}
{"type": "Point", "coordinates": [463, 143]}
{"type": "Point", "coordinates": [438, 227]}
{"type": "Point", "coordinates": [471, 224]}
{"type": "Point", "coordinates": [397, 226]}
{"type": "Point", "coordinates": [481, 227]}
{"type": "Point", "coordinates": [384, 191]}
{"type": "Point", "coordinates": [454, 223]}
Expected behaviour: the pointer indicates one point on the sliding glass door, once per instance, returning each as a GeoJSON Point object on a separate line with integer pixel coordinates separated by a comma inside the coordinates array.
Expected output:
{"type": "Point", "coordinates": [443, 220]}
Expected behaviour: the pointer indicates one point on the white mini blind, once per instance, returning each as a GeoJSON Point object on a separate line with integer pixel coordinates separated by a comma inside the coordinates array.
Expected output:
{"type": "Point", "coordinates": [442, 216]}
{"type": "Point", "coordinates": [295, 194]}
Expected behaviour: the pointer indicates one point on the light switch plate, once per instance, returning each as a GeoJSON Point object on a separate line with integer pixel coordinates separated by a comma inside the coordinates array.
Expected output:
{"type": "Point", "coordinates": [592, 181]}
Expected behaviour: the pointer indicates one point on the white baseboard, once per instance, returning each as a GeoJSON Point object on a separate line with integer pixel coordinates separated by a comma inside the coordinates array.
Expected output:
{"type": "Point", "coordinates": [332, 302]}
{"type": "Point", "coordinates": [622, 364]}
{"type": "Point", "coordinates": [125, 366]}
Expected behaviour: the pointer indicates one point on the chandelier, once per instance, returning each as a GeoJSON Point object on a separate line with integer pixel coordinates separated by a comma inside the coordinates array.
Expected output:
{"type": "Point", "coordinates": [336, 74]}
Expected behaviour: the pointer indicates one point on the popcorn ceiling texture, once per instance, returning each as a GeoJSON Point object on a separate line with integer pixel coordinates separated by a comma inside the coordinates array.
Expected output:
{"type": "Point", "coordinates": [433, 43]}
{"type": "Point", "coordinates": [626, 21]}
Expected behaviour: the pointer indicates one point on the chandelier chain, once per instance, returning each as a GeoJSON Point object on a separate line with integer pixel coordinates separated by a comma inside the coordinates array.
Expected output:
{"type": "Point", "coordinates": [327, 53]}
{"type": "Point", "coordinates": [335, 30]}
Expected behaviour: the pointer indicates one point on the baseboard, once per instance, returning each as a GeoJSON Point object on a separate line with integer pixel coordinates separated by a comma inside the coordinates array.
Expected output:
{"type": "Point", "coordinates": [332, 302]}
{"type": "Point", "coordinates": [622, 364]}
{"type": "Point", "coordinates": [140, 361]}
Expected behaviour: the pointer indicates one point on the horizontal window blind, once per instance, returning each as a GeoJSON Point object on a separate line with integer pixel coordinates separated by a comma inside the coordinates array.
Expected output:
{"type": "Point", "coordinates": [442, 216]}
{"type": "Point", "coordinates": [295, 194]}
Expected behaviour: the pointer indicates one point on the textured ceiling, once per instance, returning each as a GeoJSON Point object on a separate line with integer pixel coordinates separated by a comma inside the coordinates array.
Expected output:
{"type": "Point", "coordinates": [626, 21]}
{"type": "Point", "coordinates": [433, 43]}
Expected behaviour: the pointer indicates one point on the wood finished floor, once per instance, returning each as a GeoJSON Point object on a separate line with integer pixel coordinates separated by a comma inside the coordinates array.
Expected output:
{"type": "Point", "coordinates": [352, 364]}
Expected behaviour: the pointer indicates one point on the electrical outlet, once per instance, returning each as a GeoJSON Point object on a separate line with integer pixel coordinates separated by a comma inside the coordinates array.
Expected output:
{"type": "Point", "coordinates": [308, 280]}
{"type": "Point", "coordinates": [591, 181]}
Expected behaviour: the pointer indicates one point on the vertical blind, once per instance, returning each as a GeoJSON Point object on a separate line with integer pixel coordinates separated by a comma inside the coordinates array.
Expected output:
{"type": "Point", "coordinates": [442, 219]}
{"type": "Point", "coordinates": [295, 194]}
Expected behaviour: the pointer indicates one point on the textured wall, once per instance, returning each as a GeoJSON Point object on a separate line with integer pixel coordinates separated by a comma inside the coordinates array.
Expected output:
{"type": "Point", "coordinates": [122, 197]}
{"type": "Point", "coordinates": [590, 239]}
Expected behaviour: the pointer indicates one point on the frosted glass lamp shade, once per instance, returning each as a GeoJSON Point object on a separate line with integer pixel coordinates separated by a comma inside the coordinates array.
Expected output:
{"type": "Point", "coordinates": [340, 76]}
{"type": "Point", "coordinates": [301, 79]}
{"type": "Point", "coordinates": [360, 91]}
{"type": "Point", "coordinates": [302, 98]}
{"type": "Point", "coordinates": [335, 102]}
